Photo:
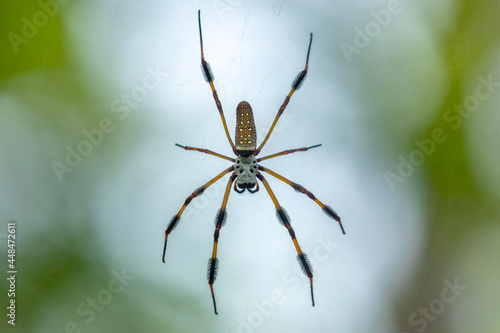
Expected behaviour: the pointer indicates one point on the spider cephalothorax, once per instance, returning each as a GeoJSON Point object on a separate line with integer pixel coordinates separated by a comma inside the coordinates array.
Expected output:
{"type": "Point", "coordinates": [246, 171]}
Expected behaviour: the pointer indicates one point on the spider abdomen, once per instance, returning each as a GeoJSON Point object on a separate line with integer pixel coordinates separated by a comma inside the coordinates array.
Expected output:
{"type": "Point", "coordinates": [245, 137]}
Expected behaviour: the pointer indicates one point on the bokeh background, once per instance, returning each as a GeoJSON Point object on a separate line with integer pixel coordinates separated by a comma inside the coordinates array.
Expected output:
{"type": "Point", "coordinates": [402, 95]}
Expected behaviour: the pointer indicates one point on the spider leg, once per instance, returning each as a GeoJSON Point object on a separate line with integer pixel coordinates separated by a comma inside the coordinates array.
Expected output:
{"type": "Point", "coordinates": [285, 221]}
{"type": "Point", "coordinates": [299, 188]}
{"type": "Point", "coordinates": [209, 77]}
{"type": "Point", "coordinates": [220, 219]}
{"type": "Point", "coordinates": [256, 188]}
{"type": "Point", "coordinates": [295, 85]}
{"type": "Point", "coordinates": [206, 151]}
{"type": "Point", "coordinates": [175, 220]}
{"type": "Point", "coordinates": [286, 152]}
{"type": "Point", "coordinates": [238, 190]}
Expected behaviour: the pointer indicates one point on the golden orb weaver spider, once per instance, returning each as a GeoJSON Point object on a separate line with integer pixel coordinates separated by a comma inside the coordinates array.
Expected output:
{"type": "Point", "coordinates": [246, 170]}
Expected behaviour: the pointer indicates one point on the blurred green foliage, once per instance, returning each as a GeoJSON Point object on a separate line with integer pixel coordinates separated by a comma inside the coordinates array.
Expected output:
{"type": "Point", "coordinates": [44, 49]}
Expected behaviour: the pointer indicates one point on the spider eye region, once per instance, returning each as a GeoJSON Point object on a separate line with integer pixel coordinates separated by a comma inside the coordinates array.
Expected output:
{"type": "Point", "coordinates": [245, 168]}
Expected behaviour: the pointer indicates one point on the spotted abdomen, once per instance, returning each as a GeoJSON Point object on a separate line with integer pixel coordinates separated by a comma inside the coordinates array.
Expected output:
{"type": "Point", "coordinates": [245, 137]}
